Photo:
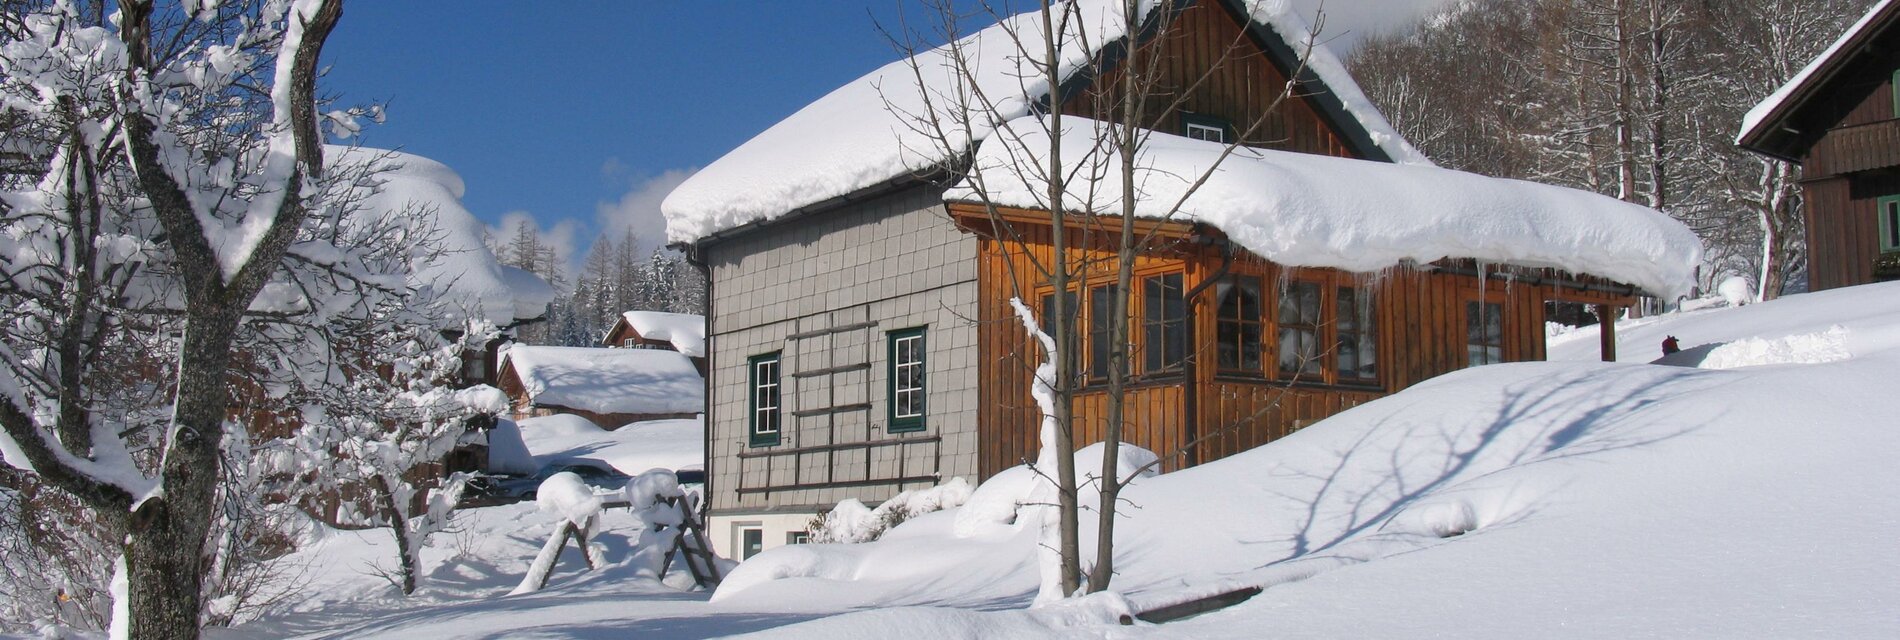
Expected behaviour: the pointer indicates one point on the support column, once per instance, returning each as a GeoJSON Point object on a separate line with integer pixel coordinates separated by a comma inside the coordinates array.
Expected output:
{"type": "Point", "coordinates": [1606, 323]}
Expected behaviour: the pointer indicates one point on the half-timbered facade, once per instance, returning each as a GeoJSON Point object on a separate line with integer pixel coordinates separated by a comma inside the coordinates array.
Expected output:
{"type": "Point", "coordinates": [1840, 120]}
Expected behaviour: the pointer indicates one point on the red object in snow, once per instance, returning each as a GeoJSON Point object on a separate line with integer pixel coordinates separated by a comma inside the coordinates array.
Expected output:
{"type": "Point", "coordinates": [1670, 346]}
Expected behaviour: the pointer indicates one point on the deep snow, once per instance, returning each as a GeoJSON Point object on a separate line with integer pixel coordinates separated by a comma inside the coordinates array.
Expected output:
{"type": "Point", "coordinates": [1570, 499]}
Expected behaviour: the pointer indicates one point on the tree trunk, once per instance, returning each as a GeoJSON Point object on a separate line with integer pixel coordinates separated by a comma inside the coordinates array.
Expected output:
{"type": "Point", "coordinates": [164, 548]}
{"type": "Point", "coordinates": [393, 514]}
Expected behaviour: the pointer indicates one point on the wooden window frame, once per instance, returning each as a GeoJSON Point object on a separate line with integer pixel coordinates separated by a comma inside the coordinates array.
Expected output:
{"type": "Point", "coordinates": [904, 423]}
{"type": "Point", "coordinates": [1320, 328]}
{"type": "Point", "coordinates": [1145, 322]}
{"type": "Point", "coordinates": [1893, 91]}
{"type": "Point", "coordinates": [757, 436]}
{"type": "Point", "coordinates": [1886, 209]}
{"type": "Point", "coordinates": [1259, 323]}
{"type": "Point", "coordinates": [1366, 327]}
{"type": "Point", "coordinates": [1192, 122]}
{"type": "Point", "coordinates": [1503, 344]}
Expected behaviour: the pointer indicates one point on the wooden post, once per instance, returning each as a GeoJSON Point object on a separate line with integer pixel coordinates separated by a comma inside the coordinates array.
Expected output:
{"type": "Point", "coordinates": [1606, 321]}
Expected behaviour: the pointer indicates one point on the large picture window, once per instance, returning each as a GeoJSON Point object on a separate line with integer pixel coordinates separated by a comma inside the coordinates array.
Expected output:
{"type": "Point", "coordinates": [1484, 333]}
{"type": "Point", "coordinates": [907, 380]}
{"type": "Point", "coordinates": [1164, 322]}
{"type": "Point", "coordinates": [763, 380]}
{"type": "Point", "coordinates": [1239, 328]}
{"type": "Point", "coordinates": [1299, 331]}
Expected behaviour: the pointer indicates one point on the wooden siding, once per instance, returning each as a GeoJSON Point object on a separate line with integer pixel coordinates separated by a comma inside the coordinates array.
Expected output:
{"type": "Point", "coordinates": [1418, 315]}
{"type": "Point", "coordinates": [1845, 174]}
{"type": "Point", "coordinates": [1876, 107]}
{"type": "Point", "coordinates": [1204, 63]}
{"type": "Point", "coordinates": [1857, 148]}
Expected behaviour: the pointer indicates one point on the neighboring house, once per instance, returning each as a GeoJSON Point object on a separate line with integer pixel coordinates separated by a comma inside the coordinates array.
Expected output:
{"type": "Point", "coordinates": [610, 387]}
{"type": "Point", "coordinates": [1840, 120]}
{"type": "Point", "coordinates": [860, 337]}
{"type": "Point", "coordinates": [682, 332]}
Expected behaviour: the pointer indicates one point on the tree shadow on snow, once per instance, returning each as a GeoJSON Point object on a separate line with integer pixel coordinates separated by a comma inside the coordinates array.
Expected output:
{"type": "Point", "coordinates": [1343, 513]}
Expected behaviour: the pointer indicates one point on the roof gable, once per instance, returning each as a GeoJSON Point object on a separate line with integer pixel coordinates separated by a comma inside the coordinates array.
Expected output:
{"type": "Point", "coordinates": [1795, 117]}
{"type": "Point", "coordinates": [858, 138]}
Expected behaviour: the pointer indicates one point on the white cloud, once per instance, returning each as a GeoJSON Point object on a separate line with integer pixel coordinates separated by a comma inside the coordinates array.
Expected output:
{"type": "Point", "coordinates": [563, 236]}
{"type": "Point", "coordinates": [639, 208]}
{"type": "Point", "coordinates": [1349, 21]}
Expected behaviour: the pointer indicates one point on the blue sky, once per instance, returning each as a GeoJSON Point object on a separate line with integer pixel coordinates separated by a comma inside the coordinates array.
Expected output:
{"type": "Point", "coordinates": [581, 115]}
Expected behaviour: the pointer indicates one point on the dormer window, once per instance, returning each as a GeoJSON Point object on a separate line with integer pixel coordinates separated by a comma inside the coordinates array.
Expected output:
{"type": "Point", "coordinates": [1205, 127]}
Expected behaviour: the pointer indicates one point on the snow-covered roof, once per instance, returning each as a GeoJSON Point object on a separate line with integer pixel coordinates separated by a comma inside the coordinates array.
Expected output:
{"type": "Point", "coordinates": [1778, 102]}
{"type": "Point", "coordinates": [864, 134]}
{"type": "Point", "coordinates": [644, 381]}
{"type": "Point", "coordinates": [686, 331]}
{"type": "Point", "coordinates": [1320, 211]}
{"type": "Point", "coordinates": [473, 280]}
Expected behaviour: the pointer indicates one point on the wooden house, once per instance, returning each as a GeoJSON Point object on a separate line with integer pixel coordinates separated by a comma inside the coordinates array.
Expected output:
{"type": "Point", "coordinates": [682, 332]}
{"type": "Point", "coordinates": [860, 336]}
{"type": "Point", "coordinates": [609, 387]}
{"type": "Point", "coordinates": [1840, 120]}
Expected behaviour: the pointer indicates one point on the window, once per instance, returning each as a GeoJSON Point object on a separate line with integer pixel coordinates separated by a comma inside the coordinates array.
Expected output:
{"type": "Point", "coordinates": [1239, 328]}
{"type": "Point", "coordinates": [764, 400]}
{"type": "Point", "coordinates": [1164, 322]}
{"type": "Point", "coordinates": [1484, 333]}
{"type": "Point", "coordinates": [1894, 89]}
{"type": "Point", "coordinates": [797, 537]}
{"type": "Point", "coordinates": [907, 380]}
{"type": "Point", "coordinates": [751, 542]}
{"type": "Point", "coordinates": [1048, 314]}
{"type": "Point", "coordinates": [475, 367]}
{"type": "Point", "coordinates": [1205, 127]}
{"type": "Point", "coordinates": [1889, 208]}
{"type": "Point", "coordinates": [1101, 335]}
{"type": "Point", "coordinates": [1299, 330]}
{"type": "Point", "coordinates": [1358, 349]}
{"type": "Point", "coordinates": [629, 343]}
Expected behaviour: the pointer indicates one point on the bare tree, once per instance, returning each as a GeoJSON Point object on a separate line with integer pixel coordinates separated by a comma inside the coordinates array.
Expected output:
{"type": "Point", "coordinates": [180, 162]}
{"type": "Point", "coordinates": [1088, 176]}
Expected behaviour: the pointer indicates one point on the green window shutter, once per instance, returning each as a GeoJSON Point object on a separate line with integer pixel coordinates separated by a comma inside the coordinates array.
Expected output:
{"type": "Point", "coordinates": [904, 380]}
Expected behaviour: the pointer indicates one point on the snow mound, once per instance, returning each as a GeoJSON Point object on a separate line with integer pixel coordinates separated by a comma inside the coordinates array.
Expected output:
{"type": "Point", "coordinates": [1318, 211]}
{"type": "Point", "coordinates": [483, 398]}
{"type": "Point", "coordinates": [566, 496]}
{"type": "Point", "coordinates": [1736, 291]}
{"type": "Point", "coordinates": [507, 453]}
{"type": "Point", "coordinates": [1807, 348]}
{"type": "Point", "coordinates": [638, 381]}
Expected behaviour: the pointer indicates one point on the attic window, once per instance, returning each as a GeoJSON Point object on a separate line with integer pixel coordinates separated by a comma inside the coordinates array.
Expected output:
{"type": "Point", "coordinates": [1204, 127]}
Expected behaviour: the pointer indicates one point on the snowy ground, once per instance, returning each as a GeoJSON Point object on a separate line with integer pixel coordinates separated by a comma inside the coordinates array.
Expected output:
{"type": "Point", "coordinates": [1574, 499]}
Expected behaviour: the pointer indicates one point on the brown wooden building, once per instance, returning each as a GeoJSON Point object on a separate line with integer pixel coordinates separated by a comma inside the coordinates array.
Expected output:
{"type": "Point", "coordinates": [1840, 120]}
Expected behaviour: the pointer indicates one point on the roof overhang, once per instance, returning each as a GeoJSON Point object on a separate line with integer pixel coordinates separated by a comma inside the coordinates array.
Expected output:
{"type": "Point", "coordinates": [1835, 85]}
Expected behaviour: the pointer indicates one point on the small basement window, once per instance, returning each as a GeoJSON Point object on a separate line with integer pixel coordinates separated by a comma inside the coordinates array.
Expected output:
{"type": "Point", "coordinates": [1205, 127]}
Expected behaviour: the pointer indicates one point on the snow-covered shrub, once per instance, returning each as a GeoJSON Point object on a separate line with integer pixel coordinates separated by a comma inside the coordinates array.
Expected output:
{"type": "Point", "coordinates": [852, 522]}
{"type": "Point", "coordinates": [1736, 290]}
